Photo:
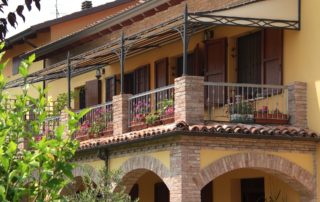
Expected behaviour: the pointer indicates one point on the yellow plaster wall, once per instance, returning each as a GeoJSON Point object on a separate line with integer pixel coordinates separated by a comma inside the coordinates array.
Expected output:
{"type": "Point", "coordinates": [301, 58]}
{"type": "Point", "coordinates": [97, 165]}
{"type": "Point", "coordinates": [226, 188]}
{"type": "Point", "coordinates": [162, 156]}
{"type": "Point", "coordinates": [208, 156]}
{"type": "Point", "coordinates": [146, 186]}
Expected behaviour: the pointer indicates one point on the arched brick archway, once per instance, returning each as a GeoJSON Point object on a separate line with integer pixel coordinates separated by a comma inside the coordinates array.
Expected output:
{"type": "Point", "coordinates": [86, 170]}
{"type": "Point", "coordinates": [298, 178]}
{"type": "Point", "coordinates": [135, 167]}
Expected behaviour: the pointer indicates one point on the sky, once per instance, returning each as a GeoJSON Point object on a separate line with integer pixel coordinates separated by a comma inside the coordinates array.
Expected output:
{"type": "Point", "coordinates": [47, 12]}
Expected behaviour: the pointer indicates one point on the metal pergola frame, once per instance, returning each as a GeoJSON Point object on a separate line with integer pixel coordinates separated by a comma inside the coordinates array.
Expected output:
{"type": "Point", "coordinates": [182, 27]}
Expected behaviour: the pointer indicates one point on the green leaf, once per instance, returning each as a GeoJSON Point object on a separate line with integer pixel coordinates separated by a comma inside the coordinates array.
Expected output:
{"type": "Point", "coordinates": [32, 58]}
{"type": "Point", "coordinates": [5, 163]}
{"type": "Point", "coordinates": [23, 70]}
{"type": "Point", "coordinates": [12, 147]}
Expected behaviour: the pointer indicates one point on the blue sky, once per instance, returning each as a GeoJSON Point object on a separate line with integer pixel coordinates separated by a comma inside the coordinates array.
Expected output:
{"type": "Point", "coordinates": [48, 12]}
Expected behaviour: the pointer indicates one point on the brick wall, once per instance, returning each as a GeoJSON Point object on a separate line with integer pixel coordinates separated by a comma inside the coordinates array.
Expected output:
{"type": "Point", "coordinates": [120, 114]}
{"type": "Point", "coordinates": [297, 99]}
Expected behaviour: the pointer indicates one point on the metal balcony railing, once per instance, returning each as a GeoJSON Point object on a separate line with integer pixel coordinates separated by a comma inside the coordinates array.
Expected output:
{"type": "Point", "coordinates": [246, 103]}
{"type": "Point", "coordinates": [152, 107]}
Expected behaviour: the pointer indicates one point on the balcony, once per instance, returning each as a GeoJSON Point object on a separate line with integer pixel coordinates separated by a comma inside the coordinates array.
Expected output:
{"type": "Point", "coordinates": [194, 101]}
{"type": "Point", "coordinates": [246, 103]}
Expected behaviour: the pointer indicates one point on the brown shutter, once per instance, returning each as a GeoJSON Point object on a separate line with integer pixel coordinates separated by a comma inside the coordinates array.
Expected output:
{"type": "Point", "coordinates": [197, 61]}
{"type": "Point", "coordinates": [142, 79]}
{"type": "Point", "coordinates": [128, 83]}
{"type": "Point", "coordinates": [272, 56]}
{"type": "Point", "coordinates": [93, 93]}
{"type": "Point", "coordinates": [216, 59]}
{"type": "Point", "coordinates": [111, 88]}
{"type": "Point", "coordinates": [161, 71]}
{"type": "Point", "coordinates": [161, 192]}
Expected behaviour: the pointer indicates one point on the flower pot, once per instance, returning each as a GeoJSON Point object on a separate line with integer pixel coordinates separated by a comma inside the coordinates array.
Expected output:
{"type": "Point", "coordinates": [156, 123]}
{"type": "Point", "coordinates": [271, 118]}
{"type": "Point", "coordinates": [241, 118]}
{"type": "Point", "coordinates": [167, 120]}
{"type": "Point", "coordinates": [82, 137]}
{"type": "Point", "coordinates": [138, 126]}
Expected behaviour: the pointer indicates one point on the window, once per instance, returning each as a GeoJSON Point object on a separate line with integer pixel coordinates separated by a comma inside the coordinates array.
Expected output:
{"type": "Point", "coordinates": [252, 190]}
{"type": "Point", "coordinates": [15, 65]}
{"type": "Point", "coordinates": [110, 88]}
{"type": "Point", "coordinates": [82, 97]}
{"type": "Point", "coordinates": [137, 81]}
{"type": "Point", "coordinates": [260, 57]}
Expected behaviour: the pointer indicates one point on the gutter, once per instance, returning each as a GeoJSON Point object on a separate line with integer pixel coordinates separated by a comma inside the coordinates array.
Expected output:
{"type": "Point", "coordinates": [97, 28]}
{"type": "Point", "coordinates": [198, 134]}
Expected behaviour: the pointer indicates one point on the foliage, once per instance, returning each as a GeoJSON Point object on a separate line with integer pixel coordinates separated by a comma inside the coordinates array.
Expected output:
{"type": "Point", "coordinates": [241, 108]}
{"type": "Point", "coordinates": [140, 109]}
{"type": "Point", "coordinates": [12, 16]}
{"type": "Point", "coordinates": [276, 198]}
{"type": "Point", "coordinates": [61, 103]}
{"type": "Point", "coordinates": [41, 169]}
{"type": "Point", "coordinates": [102, 188]}
{"type": "Point", "coordinates": [152, 118]}
{"type": "Point", "coordinates": [167, 108]}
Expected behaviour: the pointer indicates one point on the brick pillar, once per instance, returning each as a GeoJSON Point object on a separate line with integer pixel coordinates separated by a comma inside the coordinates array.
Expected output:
{"type": "Point", "coordinates": [297, 97]}
{"type": "Point", "coordinates": [185, 165]}
{"type": "Point", "coordinates": [120, 114]}
{"type": "Point", "coordinates": [189, 99]}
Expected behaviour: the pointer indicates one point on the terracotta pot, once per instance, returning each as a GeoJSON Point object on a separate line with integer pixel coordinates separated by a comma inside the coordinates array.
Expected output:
{"type": "Point", "coordinates": [138, 126]}
{"type": "Point", "coordinates": [167, 120]}
{"type": "Point", "coordinates": [271, 118]}
{"type": "Point", "coordinates": [156, 123]}
{"type": "Point", "coordinates": [82, 137]}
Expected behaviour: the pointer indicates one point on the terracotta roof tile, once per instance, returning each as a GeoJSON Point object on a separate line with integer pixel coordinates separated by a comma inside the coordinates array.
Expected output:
{"type": "Point", "coordinates": [224, 129]}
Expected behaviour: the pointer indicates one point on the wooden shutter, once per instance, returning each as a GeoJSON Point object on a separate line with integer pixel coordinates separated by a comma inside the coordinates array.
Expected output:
{"type": "Point", "coordinates": [207, 193]}
{"type": "Point", "coordinates": [161, 71]}
{"type": "Point", "coordinates": [111, 88]}
{"type": "Point", "coordinates": [197, 69]}
{"type": "Point", "coordinates": [128, 83]}
{"type": "Point", "coordinates": [142, 79]}
{"type": "Point", "coordinates": [93, 92]}
{"type": "Point", "coordinates": [161, 192]}
{"type": "Point", "coordinates": [216, 60]}
{"type": "Point", "coordinates": [272, 56]}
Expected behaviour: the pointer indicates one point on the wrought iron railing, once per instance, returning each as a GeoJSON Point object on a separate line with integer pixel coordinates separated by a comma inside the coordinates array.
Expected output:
{"type": "Point", "coordinates": [246, 103]}
{"type": "Point", "coordinates": [99, 120]}
{"type": "Point", "coordinates": [152, 106]}
{"type": "Point", "coordinates": [50, 125]}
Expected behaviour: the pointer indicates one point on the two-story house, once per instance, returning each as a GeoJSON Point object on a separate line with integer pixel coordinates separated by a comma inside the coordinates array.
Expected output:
{"type": "Point", "coordinates": [193, 100]}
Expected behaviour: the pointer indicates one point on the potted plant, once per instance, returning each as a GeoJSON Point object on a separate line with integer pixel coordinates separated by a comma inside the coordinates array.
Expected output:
{"type": "Point", "coordinates": [82, 133]}
{"type": "Point", "coordinates": [140, 110]}
{"type": "Point", "coordinates": [167, 111]}
{"type": "Point", "coordinates": [153, 119]}
{"type": "Point", "coordinates": [241, 113]}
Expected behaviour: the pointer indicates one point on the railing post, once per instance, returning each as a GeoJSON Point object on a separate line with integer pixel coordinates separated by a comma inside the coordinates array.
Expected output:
{"type": "Point", "coordinates": [297, 103]}
{"type": "Point", "coordinates": [64, 118]}
{"type": "Point", "coordinates": [120, 114]}
{"type": "Point", "coordinates": [189, 99]}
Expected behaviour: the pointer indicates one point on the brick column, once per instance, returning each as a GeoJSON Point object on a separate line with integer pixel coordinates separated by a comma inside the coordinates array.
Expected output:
{"type": "Point", "coordinates": [297, 97]}
{"type": "Point", "coordinates": [189, 99]}
{"type": "Point", "coordinates": [185, 165]}
{"type": "Point", "coordinates": [120, 114]}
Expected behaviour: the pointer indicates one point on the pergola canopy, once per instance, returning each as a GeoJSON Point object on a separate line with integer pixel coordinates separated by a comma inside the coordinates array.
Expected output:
{"type": "Point", "coordinates": [284, 14]}
{"type": "Point", "coordinates": [262, 13]}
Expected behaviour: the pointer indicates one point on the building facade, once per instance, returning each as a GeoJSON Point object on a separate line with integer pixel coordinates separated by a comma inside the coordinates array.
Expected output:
{"type": "Point", "coordinates": [192, 100]}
